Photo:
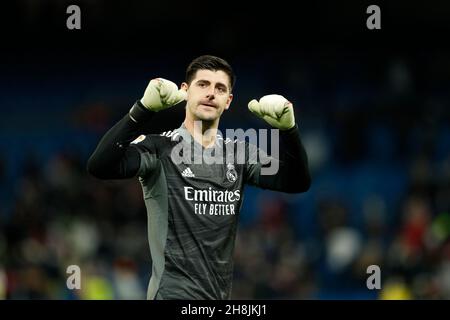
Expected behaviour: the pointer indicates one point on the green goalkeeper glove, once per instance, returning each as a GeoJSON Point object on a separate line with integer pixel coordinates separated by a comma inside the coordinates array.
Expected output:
{"type": "Point", "coordinates": [162, 94]}
{"type": "Point", "coordinates": [275, 110]}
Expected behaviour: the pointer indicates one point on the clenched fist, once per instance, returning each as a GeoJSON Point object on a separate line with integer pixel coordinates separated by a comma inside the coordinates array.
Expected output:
{"type": "Point", "coordinates": [161, 94]}
{"type": "Point", "coordinates": [275, 110]}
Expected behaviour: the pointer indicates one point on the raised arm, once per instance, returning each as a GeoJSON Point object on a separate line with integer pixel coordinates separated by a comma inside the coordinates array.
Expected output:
{"type": "Point", "coordinates": [114, 158]}
{"type": "Point", "coordinates": [293, 174]}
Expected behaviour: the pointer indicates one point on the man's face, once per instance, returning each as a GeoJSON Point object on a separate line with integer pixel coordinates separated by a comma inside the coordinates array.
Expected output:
{"type": "Point", "coordinates": [208, 95]}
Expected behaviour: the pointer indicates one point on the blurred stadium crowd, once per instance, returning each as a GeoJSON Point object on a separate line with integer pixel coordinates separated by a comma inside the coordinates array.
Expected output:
{"type": "Point", "coordinates": [378, 138]}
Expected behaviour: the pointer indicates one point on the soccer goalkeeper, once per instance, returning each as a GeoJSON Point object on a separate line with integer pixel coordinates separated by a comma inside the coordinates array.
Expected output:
{"type": "Point", "coordinates": [192, 207]}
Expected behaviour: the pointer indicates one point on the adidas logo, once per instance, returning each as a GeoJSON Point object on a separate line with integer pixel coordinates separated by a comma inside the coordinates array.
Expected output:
{"type": "Point", "coordinates": [188, 173]}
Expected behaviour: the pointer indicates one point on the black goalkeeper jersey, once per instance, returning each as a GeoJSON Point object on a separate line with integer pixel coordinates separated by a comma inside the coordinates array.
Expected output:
{"type": "Point", "coordinates": [193, 198]}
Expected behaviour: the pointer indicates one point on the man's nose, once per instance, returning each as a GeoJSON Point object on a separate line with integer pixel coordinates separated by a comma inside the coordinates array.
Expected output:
{"type": "Point", "coordinates": [210, 93]}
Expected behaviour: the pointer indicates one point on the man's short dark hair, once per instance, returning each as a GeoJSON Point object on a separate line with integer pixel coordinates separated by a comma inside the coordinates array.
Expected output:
{"type": "Point", "coordinates": [212, 63]}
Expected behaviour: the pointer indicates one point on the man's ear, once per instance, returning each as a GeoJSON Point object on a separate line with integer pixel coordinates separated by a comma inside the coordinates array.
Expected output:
{"type": "Point", "coordinates": [230, 98]}
{"type": "Point", "coordinates": [184, 86]}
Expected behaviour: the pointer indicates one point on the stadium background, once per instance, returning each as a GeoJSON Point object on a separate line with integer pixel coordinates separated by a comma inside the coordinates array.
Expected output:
{"type": "Point", "coordinates": [372, 106]}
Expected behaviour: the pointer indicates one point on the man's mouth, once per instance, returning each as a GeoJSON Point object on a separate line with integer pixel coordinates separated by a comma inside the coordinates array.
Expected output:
{"type": "Point", "coordinates": [209, 105]}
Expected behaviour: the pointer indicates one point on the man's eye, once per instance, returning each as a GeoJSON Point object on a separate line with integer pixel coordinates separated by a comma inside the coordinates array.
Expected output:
{"type": "Point", "coordinates": [202, 85]}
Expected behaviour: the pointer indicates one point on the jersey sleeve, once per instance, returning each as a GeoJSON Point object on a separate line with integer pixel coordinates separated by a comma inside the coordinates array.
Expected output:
{"type": "Point", "coordinates": [148, 154]}
{"type": "Point", "coordinates": [252, 166]}
{"type": "Point", "coordinates": [115, 157]}
{"type": "Point", "coordinates": [291, 174]}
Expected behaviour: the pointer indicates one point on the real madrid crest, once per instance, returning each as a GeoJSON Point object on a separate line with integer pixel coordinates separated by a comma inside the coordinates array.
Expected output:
{"type": "Point", "coordinates": [231, 173]}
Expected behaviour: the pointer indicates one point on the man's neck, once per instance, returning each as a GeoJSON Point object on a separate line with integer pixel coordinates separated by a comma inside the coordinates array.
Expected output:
{"type": "Point", "coordinates": [204, 132]}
